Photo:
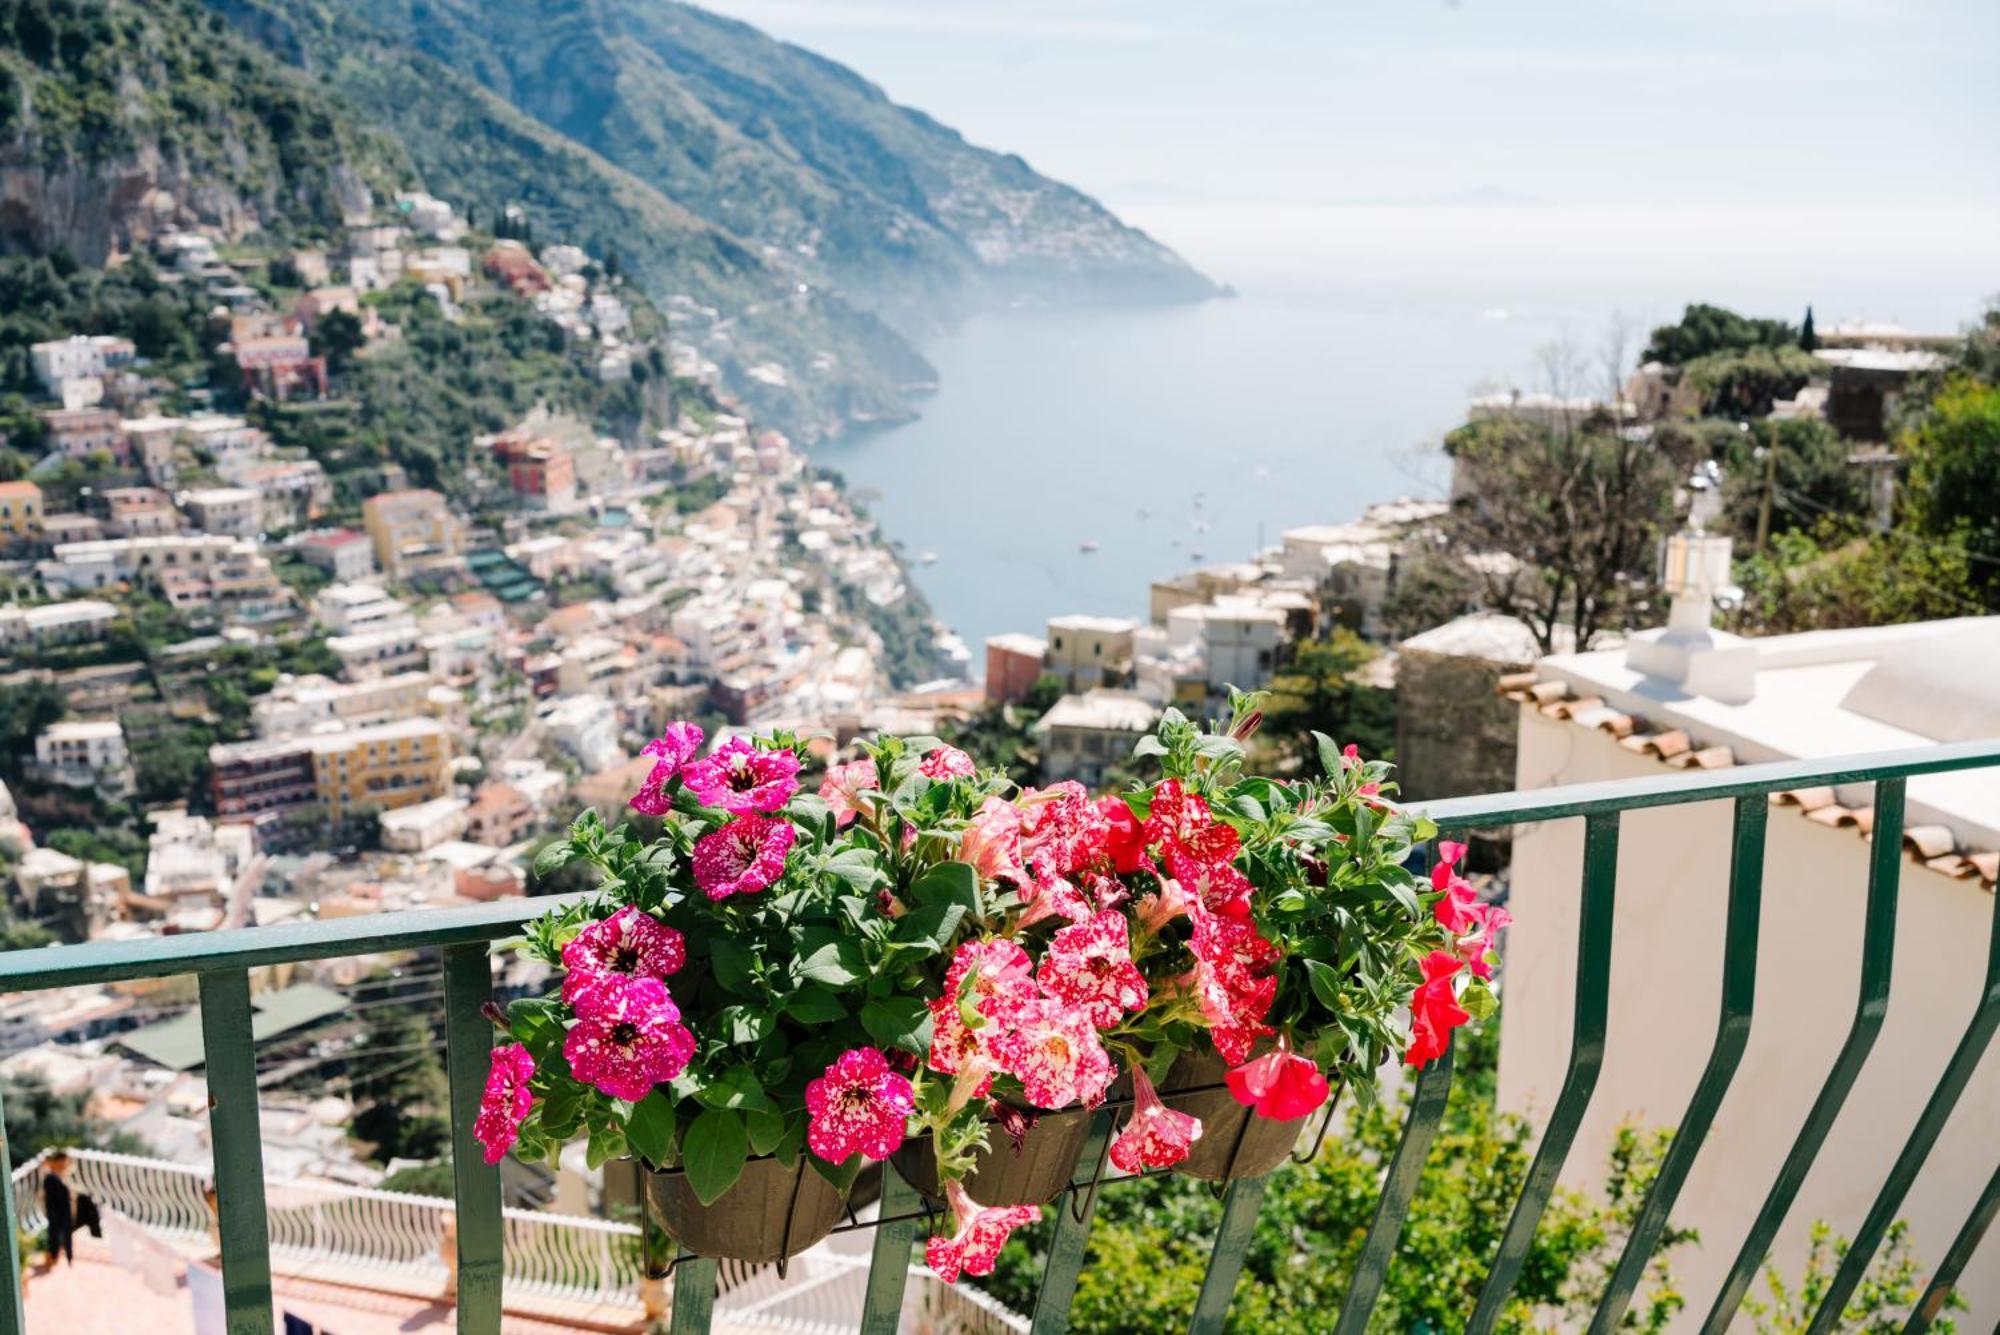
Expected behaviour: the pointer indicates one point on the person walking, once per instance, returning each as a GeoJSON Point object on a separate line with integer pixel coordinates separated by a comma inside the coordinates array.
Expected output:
{"type": "Point", "coordinates": [58, 1205]}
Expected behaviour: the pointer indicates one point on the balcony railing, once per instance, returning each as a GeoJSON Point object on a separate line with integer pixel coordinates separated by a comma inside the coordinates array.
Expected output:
{"type": "Point", "coordinates": [252, 1221]}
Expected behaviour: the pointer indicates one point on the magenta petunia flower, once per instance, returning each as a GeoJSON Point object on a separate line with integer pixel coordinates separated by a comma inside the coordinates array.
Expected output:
{"type": "Point", "coordinates": [842, 788]}
{"type": "Point", "coordinates": [859, 1106]}
{"type": "Point", "coordinates": [1155, 1136]}
{"type": "Point", "coordinates": [674, 748]}
{"type": "Point", "coordinates": [1090, 966]}
{"type": "Point", "coordinates": [627, 1038]}
{"type": "Point", "coordinates": [979, 1232]}
{"type": "Point", "coordinates": [947, 762]}
{"type": "Point", "coordinates": [505, 1104]}
{"type": "Point", "coordinates": [740, 778]}
{"type": "Point", "coordinates": [742, 857]}
{"type": "Point", "coordinates": [631, 943]}
{"type": "Point", "coordinates": [1053, 1050]}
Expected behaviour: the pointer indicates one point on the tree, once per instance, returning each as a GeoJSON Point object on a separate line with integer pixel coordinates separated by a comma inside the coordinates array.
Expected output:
{"type": "Point", "coordinates": [1808, 336]}
{"type": "Point", "coordinates": [40, 1119]}
{"type": "Point", "coordinates": [1315, 691]}
{"type": "Point", "coordinates": [400, 1087]}
{"type": "Point", "coordinates": [1747, 382]}
{"type": "Point", "coordinates": [1558, 525]}
{"type": "Point", "coordinates": [337, 336]}
{"type": "Point", "coordinates": [1833, 575]}
{"type": "Point", "coordinates": [1812, 478]}
{"type": "Point", "coordinates": [26, 710]}
{"type": "Point", "coordinates": [1954, 454]}
{"type": "Point", "coordinates": [1704, 330]}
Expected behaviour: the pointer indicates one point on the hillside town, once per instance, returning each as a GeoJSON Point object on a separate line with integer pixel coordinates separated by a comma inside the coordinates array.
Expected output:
{"type": "Point", "coordinates": [243, 691]}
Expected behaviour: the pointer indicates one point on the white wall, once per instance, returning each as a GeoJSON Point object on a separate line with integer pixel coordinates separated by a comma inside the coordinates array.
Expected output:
{"type": "Point", "coordinates": [1666, 973]}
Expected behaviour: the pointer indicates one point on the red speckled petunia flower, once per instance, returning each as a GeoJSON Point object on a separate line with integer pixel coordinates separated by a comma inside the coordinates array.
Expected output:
{"type": "Point", "coordinates": [946, 762]}
{"type": "Point", "coordinates": [505, 1104]}
{"type": "Point", "coordinates": [1090, 966]}
{"type": "Point", "coordinates": [742, 857]}
{"type": "Point", "coordinates": [740, 778]}
{"type": "Point", "coordinates": [979, 1232]}
{"type": "Point", "coordinates": [859, 1106]}
{"type": "Point", "coordinates": [630, 943]}
{"type": "Point", "coordinates": [628, 1038]}
{"type": "Point", "coordinates": [674, 748]}
{"type": "Point", "coordinates": [1155, 1136]}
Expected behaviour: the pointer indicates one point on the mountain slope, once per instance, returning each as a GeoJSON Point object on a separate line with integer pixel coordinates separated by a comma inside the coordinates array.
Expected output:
{"type": "Point", "coordinates": [793, 153]}
{"type": "Point", "coordinates": [119, 118]}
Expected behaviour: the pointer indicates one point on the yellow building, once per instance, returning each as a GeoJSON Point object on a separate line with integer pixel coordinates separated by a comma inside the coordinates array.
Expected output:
{"type": "Point", "coordinates": [406, 526]}
{"type": "Point", "coordinates": [21, 511]}
{"type": "Point", "coordinates": [389, 765]}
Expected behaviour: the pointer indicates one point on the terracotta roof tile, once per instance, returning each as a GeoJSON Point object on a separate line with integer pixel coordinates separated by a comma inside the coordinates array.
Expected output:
{"type": "Point", "coordinates": [1952, 864]}
{"type": "Point", "coordinates": [1812, 799]}
{"type": "Point", "coordinates": [1711, 757]}
{"type": "Point", "coordinates": [1864, 820]}
{"type": "Point", "coordinates": [1833, 816]}
{"type": "Point", "coordinates": [1988, 864]}
{"type": "Point", "coordinates": [1929, 841]}
{"type": "Point", "coordinates": [1514, 681]}
{"type": "Point", "coordinates": [1546, 692]}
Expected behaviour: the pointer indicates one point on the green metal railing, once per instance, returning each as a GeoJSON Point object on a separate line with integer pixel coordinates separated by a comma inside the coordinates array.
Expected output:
{"type": "Point", "coordinates": [222, 962]}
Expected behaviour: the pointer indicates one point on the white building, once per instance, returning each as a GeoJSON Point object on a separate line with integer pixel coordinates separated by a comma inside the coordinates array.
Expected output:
{"type": "Point", "coordinates": [424, 826]}
{"type": "Point", "coordinates": [82, 357]}
{"type": "Point", "coordinates": [1698, 699]}
{"type": "Point", "coordinates": [317, 704]}
{"type": "Point", "coordinates": [342, 552]}
{"type": "Point", "coordinates": [351, 609]}
{"type": "Point", "coordinates": [376, 653]}
{"type": "Point", "coordinates": [106, 561]}
{"type": "Point", "coordinates": [1083, 736]}
{"type": "Point", "coordinates": [586, 726]}
{"type": "Point", "coordinates": [56, 623]}
{"type": "Point", "coordinates": [86, 753]}
{"type": "Point", "coordinates": [236, 511]}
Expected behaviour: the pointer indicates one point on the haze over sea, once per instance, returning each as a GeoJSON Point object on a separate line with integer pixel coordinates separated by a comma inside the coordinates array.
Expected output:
{"type": "Point", "coordinates": [1357, 336]}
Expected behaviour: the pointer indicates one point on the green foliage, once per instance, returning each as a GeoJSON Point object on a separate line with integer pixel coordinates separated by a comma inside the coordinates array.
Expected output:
{"type": "Point", "coordinates": [337, 336]}
{"type": "Point", "coordinates": [1833, 575]}
{"type": "Point", "coordinates": [1149, 1243]}
{"type": "Point", "coordinates": [400, 1087]}
{"type": "Point", "coordinates": [1881, 1301]}
{"type": "Point", "coordinates": [26, 709]}
{"type": "Point", "coordinates": [40, 1119]}
{"type": "Point", "coordinates": [1744, 382]}
{"type": "Point", "coordinates": [424, 1179]}
{"type": "Point", "coordinates": [107, 82]}
{"type": "Point", "coordinates": [1704, 330]}
{"type": "Point", "coordinates": [43, 298]}
{"type": "Point", "coordinates": [1001, 735]}
{"type": "Point", "coordinates": [1315, 692]}
{"type": "Point", "coordinates": [114, 844]}
{"type": "Point", "coordinates": [1813, 478]}
{"type": "Point", "coordinates": [1954, 454]}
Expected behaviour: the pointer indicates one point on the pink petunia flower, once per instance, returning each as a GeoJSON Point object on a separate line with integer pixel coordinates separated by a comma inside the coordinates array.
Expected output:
{"type": "Point", "coordinates": [1232, 980]}
{"type": "Point", "coordinates": [842, 788]}
{"type": "Point", "coordinates": [627, 1038]}
{"type": "Point", "coordinates": [1434, 1009]}
{"type": "Point", "coordinates": [979, 1232]}
{"type": "Point", "coordinates": [630, 943]}
{"type": "Point", "coordinates": [1449, 853]}
{"type": "Point", "coordinates": [1127, 841]}
{"type": "Point", "coordinates": [1472, 947]}
{"type": "Point", "coordinates": [504, 1105]}
{"type": "Point", "coordinates": [1062, 831]}
{"type": "Point", "coordinates": [945, 763]}
{"type": "Point", "coordinates": [985, 977]}
{"type": "Point", "coordinates": [859, 1106]}
{"type": "Point", "coordinates": [992, 841]}
{"type": "Point", "coordinates": [1053, 1050]}
{"type": "Point", "coordinates": [674, 748]}
{"type": "Point", "coordinates": [742, 857]}
{"type": "Point", "coordinates": [1155, 1136]}
{"type": "Point", "coordinates": [740, 778]}
{"type": "Point", "coordinates": [1090, 966]}
{"type": "Point", "coordinates": [1280, 1085]}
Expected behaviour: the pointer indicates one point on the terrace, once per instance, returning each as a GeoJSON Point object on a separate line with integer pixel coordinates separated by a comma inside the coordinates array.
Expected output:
{"type": "Point", "coordinates": [290, 1247]}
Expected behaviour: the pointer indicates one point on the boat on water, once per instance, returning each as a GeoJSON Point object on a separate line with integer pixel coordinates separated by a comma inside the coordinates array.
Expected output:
{"type": "Point", "coordinates": [928, 558]}
{"type": "Point", "coordinates": [1087, 545]}
{"type": "Point", "coordinates": [1198, 554]}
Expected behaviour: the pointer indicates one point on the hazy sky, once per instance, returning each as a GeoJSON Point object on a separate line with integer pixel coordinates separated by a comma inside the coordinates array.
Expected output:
{"type": "Point", "coordinates": [1572, 101]}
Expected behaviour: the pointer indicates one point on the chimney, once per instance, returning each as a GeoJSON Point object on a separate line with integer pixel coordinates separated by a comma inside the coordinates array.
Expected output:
{"type": "Point", "coordinates": [1689, 653]}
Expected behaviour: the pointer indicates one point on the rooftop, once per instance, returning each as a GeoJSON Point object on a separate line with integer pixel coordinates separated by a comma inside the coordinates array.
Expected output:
{"type": "Point", "coordinates": [1101, 708]}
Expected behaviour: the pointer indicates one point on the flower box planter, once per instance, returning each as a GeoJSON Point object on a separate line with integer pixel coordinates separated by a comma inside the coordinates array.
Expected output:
{"type": "Point", "coordinates": [1235, 1142]}
{"type": "Point", "coordinates": [1002, 1175]}
{"type": "Point", "coordinates": [771, 1213]}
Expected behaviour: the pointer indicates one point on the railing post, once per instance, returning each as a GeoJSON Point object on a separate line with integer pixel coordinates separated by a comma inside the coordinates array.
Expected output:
{"type": "Point", "coordinates": [1073, 1216]}
{"type": "Point", "coordinates": [1393, 1206]}
{"type": "Point", "coordinates": [1586, 1058]}
{"type": "Point", "coordinates": [1878, 950]}
{"type": "Point", "coordinates": [1952, 1265]}
{"type": "Point", "coordinates": [1225, 1263]}
{"type": "Point", "coordinates": [889, 1264]}
{"type": "Point", "coordinates": [1930, 1124]}
{"type": "Point", "coordinates": [242, 1227]}
{"type": "Point", "coordinates": [12, 1322]}
{"type": "Point", "coordinates": [694, 1296]}
{"type": "Point", "coordinates": [468, 983]}
{"type": "Point", "coordinates": [1739, 989]}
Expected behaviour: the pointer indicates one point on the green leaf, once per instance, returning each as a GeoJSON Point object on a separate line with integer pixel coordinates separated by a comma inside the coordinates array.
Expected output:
{"type": "Point", "coordinates": [736, 1087]}
{"type": "Point", "coordinates": [607, 1142]}
{"type": "Point", "coordinates": [898, 1022]}
{"type": "Point", "coordinates": [1325, 983]}
{"type": "Point", "coordinates": [837, 963]}
{"type": "Point", "coordinates": [713, 1152]}
{"type": "Point", "coordinates": [650, 1129]}
{"type": "Point", "coordinates": [933, 924]}
{"type": "Point", "coordinates": [815, 1005]}
{"type": "Point", "coordinates": [842, 1175]}
{"type": "Point", "coordinates": [949, 883]}
{"type": "Point", "coordinates": [856, 866]}
{"type": "Point", "coordinates": [537, 1023]}
{"type": "Point", "coordinates": [792, 1143]}
{"type": "Point", "coordinates": [554, 857]}
{"type": "Point", "coordinates": [1329, 754]}
{"type": "Point", "coordinates": [743, 1026]}
{"type": "Point", "coordinates": [1478, 1000]}
{"type": "Point", "coordinates": [766, 1128]}
{"type": "Point", "coordinates": [732, 962]}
